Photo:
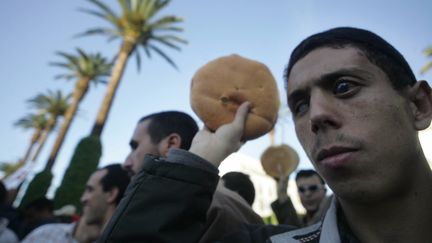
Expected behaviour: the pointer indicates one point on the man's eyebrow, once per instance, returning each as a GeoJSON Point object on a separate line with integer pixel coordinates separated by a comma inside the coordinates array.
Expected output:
{"type": "Point", "coordinates": [295, 95]}
{"type": "Point", "coordinates": [353, 71]}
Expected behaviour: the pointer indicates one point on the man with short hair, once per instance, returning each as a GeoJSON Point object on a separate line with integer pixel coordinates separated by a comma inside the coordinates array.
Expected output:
{"type": "Point", "coordinates": [240, 183]}
{"type": "Point", "coordinates": [102, 193]}
{"type": "Point", "coordinates": [312, 193]}
{"type": "Point", "coordinates": [357, 109]}
{"type": "Point", "coordinates": [156, 134]}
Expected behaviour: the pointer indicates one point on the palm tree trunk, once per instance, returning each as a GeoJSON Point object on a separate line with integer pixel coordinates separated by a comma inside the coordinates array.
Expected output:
{"type": "Point", "coordinates": [272, 134]}
{"type": "Point", "coordinates": [50, 126]}
{"type": "Point", "coordinates": [34, 139]}
{"type": "Point", "coordinates": [126, 49]}
{"type": "Point", "coordinates": [81, 89]}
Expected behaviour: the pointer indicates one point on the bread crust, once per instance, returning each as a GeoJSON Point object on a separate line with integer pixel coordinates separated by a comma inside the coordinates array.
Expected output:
{"type": "Point", "coordinates": [222, 85]}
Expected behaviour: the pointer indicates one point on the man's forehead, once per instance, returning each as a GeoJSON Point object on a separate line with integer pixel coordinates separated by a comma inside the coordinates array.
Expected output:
{"type": "Point", "coordinates": [141, 130]}
{"type": "Point", "coordinates": [325, 60]}
{"type": "Point", "coordinates": [322, 61]}
{"type": "Point", "coordinates": [308, 179]}
{"type": "Point", "coordinates": [96, 177]}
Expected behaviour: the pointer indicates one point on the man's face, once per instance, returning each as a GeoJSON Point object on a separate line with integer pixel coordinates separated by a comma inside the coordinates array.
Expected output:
{"type": "Point", "coordinates": [141, 145]}
{"type": "Point", "coordinates": [311, 192]}
{"type": "Point", "coordinates": [354, 126]}
{"type": "Point", "coordinates": [94, 199]}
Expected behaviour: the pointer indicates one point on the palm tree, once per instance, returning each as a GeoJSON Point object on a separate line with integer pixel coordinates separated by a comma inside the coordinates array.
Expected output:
{"type": "Point", "coordinates": [136, 26]}
{"type": "Point", "coordinates": [55, 105]}
{"type": "Point", "coordinates": [85, 68]}
{"type": "Point", "coordinates": [32, 121]}
{"type": "Point", "coordinates": [428, 53]}
{"type": "Point", "coordinates": [8, 168]}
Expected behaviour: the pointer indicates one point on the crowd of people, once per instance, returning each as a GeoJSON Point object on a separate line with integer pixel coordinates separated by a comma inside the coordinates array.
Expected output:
{"type": "Point", "coordinates": [357, 109]}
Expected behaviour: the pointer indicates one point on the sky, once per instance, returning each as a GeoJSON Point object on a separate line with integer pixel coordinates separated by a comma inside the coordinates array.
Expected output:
{"type": "Point", "coordinates": [266, 31]}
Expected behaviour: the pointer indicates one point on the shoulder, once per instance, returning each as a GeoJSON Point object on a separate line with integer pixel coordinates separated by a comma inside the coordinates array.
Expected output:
{"type": "Point", "coordinates": [48, 230]}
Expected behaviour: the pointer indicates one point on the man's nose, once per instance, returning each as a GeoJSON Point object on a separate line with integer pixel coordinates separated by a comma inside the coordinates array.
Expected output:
{"type": "Point", "coordinates": [83, 198]}
{"type": "Point", "coordinates": [127, 163]}
{"type": "Point", "coordinates": [323, 113]}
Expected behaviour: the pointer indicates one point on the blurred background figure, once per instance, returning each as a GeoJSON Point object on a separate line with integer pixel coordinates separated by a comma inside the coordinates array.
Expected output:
{"type": "Point", "coordinates": [103, 192]}
{"type": "Point", "coordinates": [240, 183]}
{"type": "Point", "coordinates": [8, 214]}
{"type": "Point", "coordinates": [74, 232]}
{"type": "Point", "coordinates": [66, 214]}
{"type": "Point", "coordinates": [312, 192]}
{"type": "Point", "coordinates": [38, 212]}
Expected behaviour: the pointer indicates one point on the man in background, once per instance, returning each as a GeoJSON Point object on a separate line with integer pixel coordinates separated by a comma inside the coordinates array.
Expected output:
{"type": "Point", "coordinates": [157, 134]}
{"type": "Point", "coordinates": [102, 193]}
{"type": "Point", "coordinates": [312, 193]}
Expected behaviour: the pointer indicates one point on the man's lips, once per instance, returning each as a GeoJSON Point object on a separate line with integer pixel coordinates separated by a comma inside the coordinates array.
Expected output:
{"type": "Point", "coordinates": [334, 154]}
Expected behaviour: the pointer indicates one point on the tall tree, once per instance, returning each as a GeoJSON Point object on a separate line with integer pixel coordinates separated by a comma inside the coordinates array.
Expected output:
{"type": "Point", "coordinates": [85, 69]}
{"type": "Point", "coordinates": [136, 26]}
{"type": "Point", "coordinates": [428, 53]}
{"type": "Point", "coordinates": [37, 122]}
{"type": "Point", "coordinates": [55, 104]}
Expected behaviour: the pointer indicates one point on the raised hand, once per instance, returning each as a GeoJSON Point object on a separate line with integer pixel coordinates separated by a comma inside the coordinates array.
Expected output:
{"type": "Point", "coordinates": [216, 146]}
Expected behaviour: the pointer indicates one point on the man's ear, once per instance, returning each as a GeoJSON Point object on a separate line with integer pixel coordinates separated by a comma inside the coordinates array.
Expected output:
{"type": "Point", "coordinates": [421, 104]}
{"type": "Point", "coordinates": [112, 195]}
{"type": "Point", "coordinates": [171, 141]}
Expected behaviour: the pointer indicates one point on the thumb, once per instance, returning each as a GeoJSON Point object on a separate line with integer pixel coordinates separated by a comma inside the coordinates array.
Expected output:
{"type": "Point", "coordinates": [241, 114]}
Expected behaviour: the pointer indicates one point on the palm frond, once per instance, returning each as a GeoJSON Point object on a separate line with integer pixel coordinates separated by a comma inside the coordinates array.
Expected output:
{"type": "Point", "coordinates": [428, 53]}
{"type": "Point", "coordinates": [125, 5]}
{"type": "Point", "coordinates": [166, 21]}
{"type": "Point", "coordinates": [37, 121]}
{"type": "Point", "coordinates": [138, 60]}
{"type": "Point", "coordinates": [426, 68]}
{"type": "Point", "coordinates": [164, 56]}
{"type": "Point", "coordinates": [166, 43]}
{"type": "Point", "coordinates": [100, 31]}
{"type": "Point", "coordinates": [137, 24]}
{"type": "Point", "coordinates": [105, 9]}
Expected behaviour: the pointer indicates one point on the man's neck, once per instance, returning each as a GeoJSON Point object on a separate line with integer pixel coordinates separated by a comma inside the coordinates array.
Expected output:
{"type": "Point", "coordinates": [407, 218]}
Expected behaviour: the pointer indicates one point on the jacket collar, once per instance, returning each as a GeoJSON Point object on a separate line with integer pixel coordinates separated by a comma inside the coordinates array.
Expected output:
{"type": "Point", "coordinates": [322, 232]}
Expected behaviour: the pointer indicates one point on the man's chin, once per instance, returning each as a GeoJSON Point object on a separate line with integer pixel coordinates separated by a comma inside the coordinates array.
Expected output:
{"type": "Point", "coordinates": [131, 173]}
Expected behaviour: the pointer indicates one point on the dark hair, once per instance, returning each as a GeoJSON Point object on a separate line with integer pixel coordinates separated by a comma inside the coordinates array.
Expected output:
{"type": "Point", "coordinates": [115, 177]}
{"type": "Point", "coordinates": [41, 203]}
{"type": "Point", "coordinates": [377, 50]}
{"type": "Point", "coordinates": [240, 183]}
{"type": "Point", "coordinates": [3, 193]}
{"type": "Point", "coordinates": [164, 123]}
{"type": "Point", "coordinates": [308, 173]}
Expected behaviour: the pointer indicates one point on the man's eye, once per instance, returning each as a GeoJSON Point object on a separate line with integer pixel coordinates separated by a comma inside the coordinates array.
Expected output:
{"type": "Point", "coordinates": [301, 107]}
{"type": "Point", "coordinates": [343, 87]}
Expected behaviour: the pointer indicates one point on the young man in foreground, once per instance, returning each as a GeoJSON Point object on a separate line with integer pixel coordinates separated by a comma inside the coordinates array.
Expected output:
{"type": "Point", "coordinates": [357, 109]}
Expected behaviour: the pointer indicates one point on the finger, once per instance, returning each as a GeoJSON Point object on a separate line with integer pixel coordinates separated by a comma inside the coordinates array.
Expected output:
{"type": "Point", "coordinates": [241, 114]}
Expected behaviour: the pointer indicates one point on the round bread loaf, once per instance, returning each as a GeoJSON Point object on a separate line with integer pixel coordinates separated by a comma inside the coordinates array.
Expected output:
{"type": "Point", "coordinates": [279, 160]}
{"type": "Point", "coordinates": [222, 85]}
